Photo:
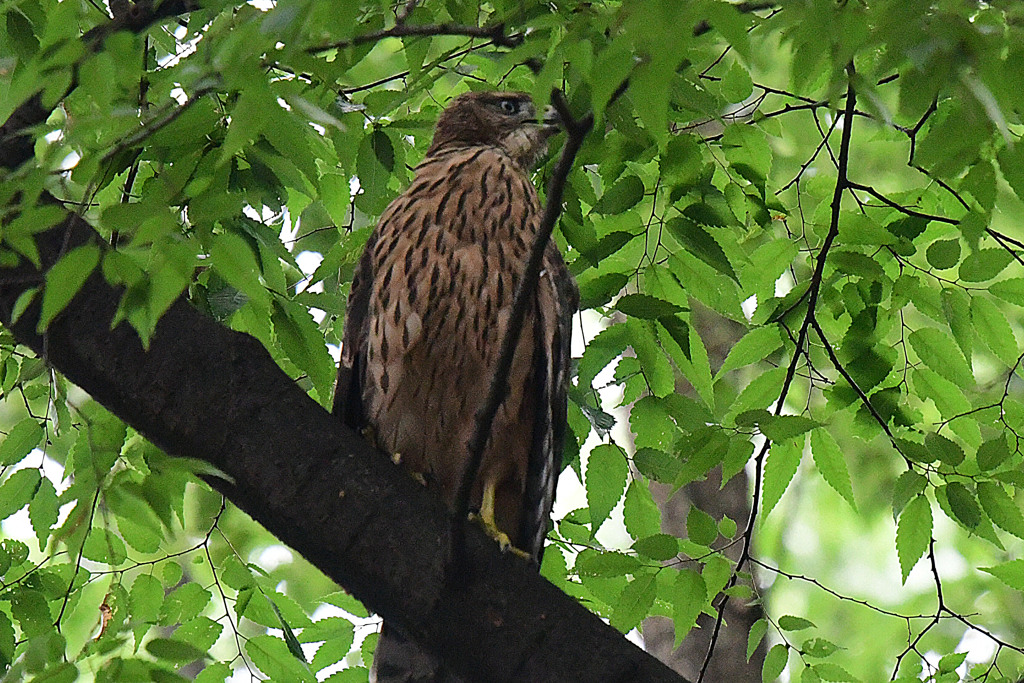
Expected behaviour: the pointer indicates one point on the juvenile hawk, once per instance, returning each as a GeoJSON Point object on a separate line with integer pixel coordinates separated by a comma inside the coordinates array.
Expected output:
{"type": "Point", "coordinates": [426, 315]}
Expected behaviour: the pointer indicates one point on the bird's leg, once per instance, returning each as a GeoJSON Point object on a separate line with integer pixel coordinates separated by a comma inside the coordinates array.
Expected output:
{"type": "Point", "coordinates": [490, 527]}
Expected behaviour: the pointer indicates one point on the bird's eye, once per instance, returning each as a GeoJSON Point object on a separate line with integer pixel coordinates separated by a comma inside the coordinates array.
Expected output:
{"type": "Point", "coordinates": [510, 107]}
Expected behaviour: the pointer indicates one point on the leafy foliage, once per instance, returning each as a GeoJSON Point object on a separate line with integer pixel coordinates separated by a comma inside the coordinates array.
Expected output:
{"type": "Point", "coordinates": [837, 180]}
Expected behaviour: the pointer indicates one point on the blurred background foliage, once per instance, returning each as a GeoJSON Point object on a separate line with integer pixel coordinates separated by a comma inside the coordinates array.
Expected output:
{"type": "Point", "coordinates": [796, 228]}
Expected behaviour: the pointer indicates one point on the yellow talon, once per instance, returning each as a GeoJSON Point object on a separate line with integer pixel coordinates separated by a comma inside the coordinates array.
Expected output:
{"type": "Point", "coordinates": [490, 527]}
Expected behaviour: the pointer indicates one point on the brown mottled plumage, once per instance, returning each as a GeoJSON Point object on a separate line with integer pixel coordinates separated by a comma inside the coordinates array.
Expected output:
{"type": "Point", "coordinates": [426, 316]}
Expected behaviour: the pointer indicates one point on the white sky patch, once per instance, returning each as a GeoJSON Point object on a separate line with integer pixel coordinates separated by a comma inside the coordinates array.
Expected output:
{"type": "Point", "coordinates": [749, 306]}
{"type": "Point", "coordinates": [289, 229]}
{"type": "Point", "coordinates": [272, 557]}
{"type": "Point", "coordinates": [979, 648]}
{"type": "Point", "coordinates": [784, 285]}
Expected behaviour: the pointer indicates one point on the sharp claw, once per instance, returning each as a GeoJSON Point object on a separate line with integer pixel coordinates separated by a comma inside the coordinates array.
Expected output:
{"type": "Point", "coordinates": [499, 536]}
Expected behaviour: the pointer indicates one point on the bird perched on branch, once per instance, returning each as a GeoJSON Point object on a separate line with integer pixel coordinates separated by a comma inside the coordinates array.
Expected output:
{"type": "Point", "coordinates": [426, 317]}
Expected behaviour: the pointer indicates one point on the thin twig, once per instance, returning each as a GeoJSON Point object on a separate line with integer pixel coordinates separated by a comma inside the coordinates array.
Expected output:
{"type": "Point", "coordinates": [495, 33]}
{"type": "Point", "coordinates": [576, 131]}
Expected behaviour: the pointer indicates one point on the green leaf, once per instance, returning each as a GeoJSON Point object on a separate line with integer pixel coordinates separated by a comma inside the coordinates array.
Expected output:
{"type": "Point", "coordinates": [635, 602]}
{"type": "Point", "coordinates": [937, 351]}
{"type": "Point", "coordinates": [606, 564]}
{"type": "Point", "coordinates": [993, 453]}
{"type": "Point", "coordinates": [601, 289]}
{"type": "Point", "coordinates": [994, 331]}
{"type": "Point", "coordinates": [215, 672]}
{"type": "Point", "coordinates": [146, 598]}
{"type": "Point", "coordinates": [984, 264]}
{"type": "Point", "coordinates": [944, 254]}
{"type": "Point", "coordinates": [289, 636]}
{"type": "Point", "coordinates": [271, 656]}
{"type": "Point", "coordinates": [250, 115]}
{"type": "Point", "coordinates": [17, 491]}
{"type": "Point", "coordinates": [304, 345]}
{"type": "Point", "coordinates": [235, 261]}
{"type": "Point", "coordinates": [956, 306]}
{"type": "Point", "coordinates": [774, 663]}
{"type": "Point", "coordinates": [656, 368]}
{"type": "Point", "coordinates": [1000, 508]}
{"type": "Point", "coordinates": [6, 641]}
{"type": "Point", "coordinates": [701, 451]}
{"type": "Point", "coordinates": [31, 612]}
{"type": "Point", "coordinates": [64, 672]}
{"type": "Point", "coordinates": [640, 513]}
{"type": "Point", "coordinates": [375, 163]}
{"type": "Point", "coordinates": [791, 623]}
{"type": "Point", "coordinates": [1011, 573]}
{"type": "Point", "coordinates": [659, 547]}
{"type": "Point", "coordinates": [762, 391]}
{"type": "Point", "coordinates": [746, 148]}
{"type": "Point", "coordinates": [752, 347]}
{"type": "Point", "coordinates": [606, 475]}
{"type": "Point", "coordinates": [348, 603]}
{"type": "Point", "coordinates": [913, 533]}
{"type": "Point", "coordinates": [602, 350]}
{"type": "Point", "coordinates": [703, 213]}
{"type": "Point", "coordinates": [20, 441]}
{"type": "Point", "coordinates": [700, 526]}
{"type": "Point", "coordinates": [201, 632]}
{"type": "Point", "coordinates": [43, 509]}
{"type": "Point", "coordinates": [781, 427]}
{"type": "Point", "coordinates": [782, 463]}
{"type": "Point", "coordinates": [831, 464]}
{"type": "Point", "coordinates": [945, 450]}
{"type": "Point", "coordinates": [174, 650]}
{"type": "Point", "coordinates": [64, 279]}
{"type": "Point", "coordinates": [701, 244]}
{"type": "Point", "coordinates": [757, 631]}
{"type": "Point", "coordinates": [622, 196]}
{"type": "Point", "coordinates": [828, 671]}
{"type": "Point", "coordinates": [963, 505]}
{"type": "Point", "coordinates": [908, 485]}
{"type": "Point", "coordinates": [646, 306]}
{"type": "Point", "coordinates": [688, 597]}
{"type": "Point", "coordinates": [1009, 289]}
{"type": "Point", "coordinates": [819, 647]}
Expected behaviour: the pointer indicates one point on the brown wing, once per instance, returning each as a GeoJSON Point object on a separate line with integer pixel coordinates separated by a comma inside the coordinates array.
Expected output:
{"type": "Point", "coordinates": [557, 301]}
{"type": "Point", "coordinates": [348, 402]}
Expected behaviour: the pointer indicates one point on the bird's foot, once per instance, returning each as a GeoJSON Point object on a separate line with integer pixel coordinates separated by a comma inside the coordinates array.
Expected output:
{"type": "Point", "coordinates": [499, 536]}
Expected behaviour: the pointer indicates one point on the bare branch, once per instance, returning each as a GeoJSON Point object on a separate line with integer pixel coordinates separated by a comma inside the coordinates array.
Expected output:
{"type": "Point", "coordinates": [495, 33]}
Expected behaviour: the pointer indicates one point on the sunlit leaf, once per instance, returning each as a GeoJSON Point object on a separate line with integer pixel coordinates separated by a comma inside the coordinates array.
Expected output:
{"type": "Point", "coordinates": [913, 533]}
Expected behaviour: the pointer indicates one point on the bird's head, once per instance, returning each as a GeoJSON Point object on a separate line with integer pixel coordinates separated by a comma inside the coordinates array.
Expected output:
{"type": "Point", "coordinates": [501, 119]}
